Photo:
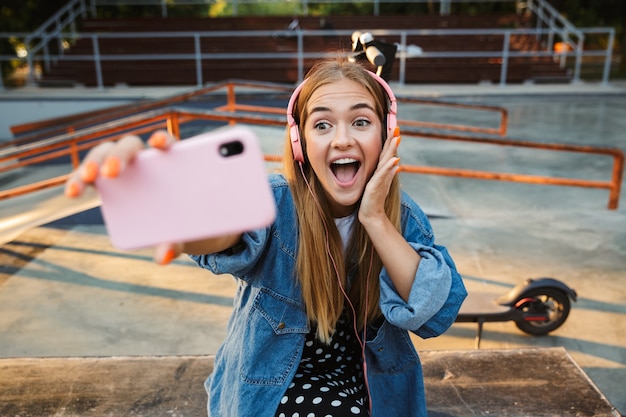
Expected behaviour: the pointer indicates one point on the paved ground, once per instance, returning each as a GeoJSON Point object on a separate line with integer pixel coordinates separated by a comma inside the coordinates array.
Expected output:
{"type": "Point", "coordinates": [64, 291]}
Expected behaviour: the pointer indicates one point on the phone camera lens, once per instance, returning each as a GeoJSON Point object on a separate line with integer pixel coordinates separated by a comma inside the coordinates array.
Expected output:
{"type": "Point", "coordinates": [231, 148]}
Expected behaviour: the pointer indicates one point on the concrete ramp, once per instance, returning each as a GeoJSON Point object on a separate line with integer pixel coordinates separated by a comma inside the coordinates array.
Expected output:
{"type": "Point", "coordinates": [19, 214]}
{"type": "Point", "coordinates": [503, 383]}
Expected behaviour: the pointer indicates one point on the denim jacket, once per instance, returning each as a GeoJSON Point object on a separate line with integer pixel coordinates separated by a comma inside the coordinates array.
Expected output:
{"type": "Point", "coordinates": [267, 329]}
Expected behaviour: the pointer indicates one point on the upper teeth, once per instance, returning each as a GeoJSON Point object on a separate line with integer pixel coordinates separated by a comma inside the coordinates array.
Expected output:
{"type": "Point", "coordinates": [345, 161]}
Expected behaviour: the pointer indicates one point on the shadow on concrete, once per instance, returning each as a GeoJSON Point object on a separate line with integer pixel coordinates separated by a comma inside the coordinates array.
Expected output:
{"type": "Point", "coordinates": [53, 272]}
{"type": "Point", "coordinates": [601, 350]}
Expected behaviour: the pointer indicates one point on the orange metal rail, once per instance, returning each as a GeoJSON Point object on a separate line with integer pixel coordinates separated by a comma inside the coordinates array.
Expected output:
{"type": "Point", "coordinates": [614, 185]}
{"type": "Point", "coordinates": [82, 135]}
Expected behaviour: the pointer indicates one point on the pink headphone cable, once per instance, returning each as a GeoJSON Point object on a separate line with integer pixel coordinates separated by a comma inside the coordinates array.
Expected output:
{"type": "Point", "coordinates": [343, 291]}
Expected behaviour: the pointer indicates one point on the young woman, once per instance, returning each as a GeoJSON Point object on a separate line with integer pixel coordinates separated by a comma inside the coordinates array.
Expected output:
{"type": "Point", "coordinates": [328, 292]}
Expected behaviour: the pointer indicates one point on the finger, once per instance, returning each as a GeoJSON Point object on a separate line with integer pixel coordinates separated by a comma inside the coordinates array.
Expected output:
{"type": "Point", "coordinates": [165, 253]}
{"type": "Point", "coordinates": [87, 172]}
{"type": "Point", "coordinates": [120, 156]}
{"type": "Point", "coordinates": [390, 168]}
{"type": "Point", "coordinates": [161, 139]}
{"type": "Point", "coordinates": [395, 141]}
{"type": "Point", "coordinates": [381, 180]}
{"type": "Point", "coordinates": [396, 134]}
{"type": "Point", "coordinates": [390, 146]}
{"type": "Point", "coordinates": [73, 188]}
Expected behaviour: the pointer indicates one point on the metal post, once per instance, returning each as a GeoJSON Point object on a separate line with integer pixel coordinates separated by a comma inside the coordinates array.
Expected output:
{"type": "Point", "coordinates": [196, 37]}
{"type": "Point", "coordinates": [607, 59]}
{"type": "Point", "coordinates": [30, 79]}
{"type": "Point", "coordinates": [403, 58]}
{"type": "Point", "coordinates": [300, 55]}
{"type": "Point", "coordinates": [550, 43]}
{"type": "Point", "coordinates": [444, 7]}
{"type": "Point", "coordinates": [231, 98]}
{"type": "Point", "coordinates": [96, 60]}
{"type": "Point", "coordinates": [163, 8]}
{"type": "Point", "coordinates": [616, 179]}
{"type": "Point", "coordinates": [46, 53]}
{"type": "Point", "coordinates": [565, 39]}
{"type": "Point", "coordinates": [579, 57]}
{"type": "Point", "coordinates": [172, 124]}
{"type": "Point", "coordinates": [505, 58]}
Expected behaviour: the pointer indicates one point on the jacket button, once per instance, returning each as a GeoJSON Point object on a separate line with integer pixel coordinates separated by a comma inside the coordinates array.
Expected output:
{"type": "Point", "coordinates": [281, 325]}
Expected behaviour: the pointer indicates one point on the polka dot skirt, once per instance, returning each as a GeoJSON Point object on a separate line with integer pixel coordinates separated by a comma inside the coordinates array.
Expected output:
{"type": "Point", "coordinates": [329, 381]}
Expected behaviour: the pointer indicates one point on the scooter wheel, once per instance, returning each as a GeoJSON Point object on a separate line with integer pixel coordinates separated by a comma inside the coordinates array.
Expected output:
{"type": "Point", "coordinates": [548, 302]}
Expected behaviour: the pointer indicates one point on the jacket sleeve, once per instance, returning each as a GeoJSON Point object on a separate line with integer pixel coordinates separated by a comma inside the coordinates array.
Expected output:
{"type": "Point", "coordinates": [437, 292]}
{"type": "Point", "coordinates": [240, 260]}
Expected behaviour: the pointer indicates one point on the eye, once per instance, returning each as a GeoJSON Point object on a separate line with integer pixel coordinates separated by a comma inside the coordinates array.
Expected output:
{"type": "Point", "coordinates": [323, 125]}
{"type": "Point", "coordinates": [362, 122]}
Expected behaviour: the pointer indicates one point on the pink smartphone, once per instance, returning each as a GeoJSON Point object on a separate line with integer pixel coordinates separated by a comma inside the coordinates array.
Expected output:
{"type": "Point", "coordinates": [210, 185]}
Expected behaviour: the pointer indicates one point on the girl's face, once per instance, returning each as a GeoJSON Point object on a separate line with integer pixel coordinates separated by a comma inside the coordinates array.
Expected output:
{"type": "Point", "coordinates": [343, 141]}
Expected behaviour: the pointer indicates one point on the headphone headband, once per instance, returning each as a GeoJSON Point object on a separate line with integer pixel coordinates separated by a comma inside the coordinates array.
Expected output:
{"type": "Point", "coordinates": [294, 133]}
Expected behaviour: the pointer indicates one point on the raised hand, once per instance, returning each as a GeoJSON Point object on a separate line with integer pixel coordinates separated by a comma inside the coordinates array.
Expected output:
{"type": "Point", "coordinates": [109, 160]}
{"type": "Point", "coordinates": [373, 201]}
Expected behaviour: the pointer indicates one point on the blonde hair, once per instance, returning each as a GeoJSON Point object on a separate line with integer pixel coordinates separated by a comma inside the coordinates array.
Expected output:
{"type": "Point", "coordinates": [318, 234]}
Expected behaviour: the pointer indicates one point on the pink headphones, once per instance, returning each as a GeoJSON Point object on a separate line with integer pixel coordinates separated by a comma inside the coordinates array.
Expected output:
{"type": "Point", "coordinates": [294, 132]}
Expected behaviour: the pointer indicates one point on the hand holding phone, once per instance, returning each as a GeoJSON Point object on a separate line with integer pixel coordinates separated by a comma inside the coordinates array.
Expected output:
{"type": "Point", "coordinates": [210, 185]}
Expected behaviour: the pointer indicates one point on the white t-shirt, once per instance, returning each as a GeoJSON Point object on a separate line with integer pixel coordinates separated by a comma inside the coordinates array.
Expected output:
{"type": "Point", "coordinates": [344, 224]}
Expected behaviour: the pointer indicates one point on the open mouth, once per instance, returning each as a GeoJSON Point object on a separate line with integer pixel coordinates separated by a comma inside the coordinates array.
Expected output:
{"type": "Point", "coordinates": [345, 169]}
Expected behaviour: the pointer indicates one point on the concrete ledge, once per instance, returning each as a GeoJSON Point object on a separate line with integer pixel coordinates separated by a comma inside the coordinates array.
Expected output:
{"type": "Point", "coordinates": [510, 383]}
{"type": "Point", "coordinates": [504, 383]}
{"type": "Point", "coordinates": [107, 386]}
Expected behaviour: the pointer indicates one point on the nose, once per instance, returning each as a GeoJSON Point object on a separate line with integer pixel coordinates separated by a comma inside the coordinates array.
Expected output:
{"type": "Point", "coordinates": [342, 138]}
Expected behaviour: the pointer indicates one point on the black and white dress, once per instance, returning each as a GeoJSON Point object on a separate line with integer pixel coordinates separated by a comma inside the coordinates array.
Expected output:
{"type": "Point", "coordinates": [329, 380]}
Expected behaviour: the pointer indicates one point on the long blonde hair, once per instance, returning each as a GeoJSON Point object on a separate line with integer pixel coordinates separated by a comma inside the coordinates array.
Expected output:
{"type": "Point", "coordinates": [318, 235]}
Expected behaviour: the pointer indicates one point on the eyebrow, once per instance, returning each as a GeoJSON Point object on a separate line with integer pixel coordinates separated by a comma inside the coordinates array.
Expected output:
{"type": "Point", "coordinates": [354, 107]}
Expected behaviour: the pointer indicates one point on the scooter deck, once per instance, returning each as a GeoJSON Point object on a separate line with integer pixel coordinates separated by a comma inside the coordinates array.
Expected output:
{"type": "Point", "coordinates": [480, 307]}
{"type": "Point", "coordinates": [482, 304]}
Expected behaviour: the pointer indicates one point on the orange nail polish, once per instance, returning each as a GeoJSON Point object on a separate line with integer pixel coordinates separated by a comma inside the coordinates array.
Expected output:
{"type": "Point", "coordinates": [168, 257]}
{"type": "Point", "coordinates": [111, 167]}
{"type": "Point", "coordinates": [398, 141]}
{"type": "Point", "coordinates": [157, 140]}
{"type": "Point", "coordinates": [397, 162]}
{"type": "Point", "coordinates": [89, 171]}
{"type": "Point", "coordinates": [396, 131]}
{"type": "Point", "coordinates": [72, 189]}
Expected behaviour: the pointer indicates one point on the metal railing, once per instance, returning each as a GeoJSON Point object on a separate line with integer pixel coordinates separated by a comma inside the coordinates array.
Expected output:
{"type": "Point", "coordinates": [55, 28]}
{"type": "Point", "coordinates": [571, 37]}
{"type": "Point", "coordinates": [48, 43]}
{"type": "Point", "coordinates": [78, 139]}
{"type": "Point", "coordinates": [302, 37]}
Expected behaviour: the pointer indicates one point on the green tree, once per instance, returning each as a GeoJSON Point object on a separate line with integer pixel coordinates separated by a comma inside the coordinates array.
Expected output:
{"type": "Point", "coordinates": [22, 16]}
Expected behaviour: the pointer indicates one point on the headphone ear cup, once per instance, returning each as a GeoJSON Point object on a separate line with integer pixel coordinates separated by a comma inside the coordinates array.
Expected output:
{"type": "Point", "coordinates": [392, 122]}
{"type": "Point", "coordinates": [296, 145]}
